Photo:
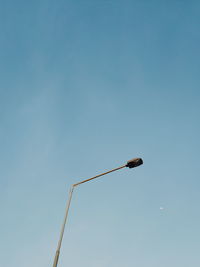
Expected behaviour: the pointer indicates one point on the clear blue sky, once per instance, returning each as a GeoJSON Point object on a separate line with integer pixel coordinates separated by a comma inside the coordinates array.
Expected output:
{"type": "Point", "coordinates": [85, 86]}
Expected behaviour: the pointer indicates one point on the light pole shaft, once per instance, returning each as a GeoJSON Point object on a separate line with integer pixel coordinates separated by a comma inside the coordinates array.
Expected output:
{"type": "Point", "coordinates": [63, 227]}
{"type": "Point", "coordinates": [55, 263]}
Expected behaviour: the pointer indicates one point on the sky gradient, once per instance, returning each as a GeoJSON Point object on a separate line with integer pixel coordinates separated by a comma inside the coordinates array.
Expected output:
{"type": "Point", "coordinates": [85, 86]}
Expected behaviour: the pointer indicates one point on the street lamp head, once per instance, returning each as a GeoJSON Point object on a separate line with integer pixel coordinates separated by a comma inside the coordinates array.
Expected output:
{"type": "Point", "coordinates": [134, 162]}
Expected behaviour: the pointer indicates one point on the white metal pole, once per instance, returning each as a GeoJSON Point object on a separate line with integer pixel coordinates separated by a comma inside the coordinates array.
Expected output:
{"type": "Point", "coordinates": [55, 263]}
{"type": "Point", "coordinates": [63, 228]}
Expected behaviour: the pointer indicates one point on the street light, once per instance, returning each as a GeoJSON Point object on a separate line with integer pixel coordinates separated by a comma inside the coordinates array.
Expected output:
{"type": "Point", "coordinates": [130, 164]}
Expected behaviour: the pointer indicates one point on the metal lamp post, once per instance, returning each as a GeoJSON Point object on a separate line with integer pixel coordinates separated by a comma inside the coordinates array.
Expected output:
{"type": "Point", "coordinates": [130, 164]}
